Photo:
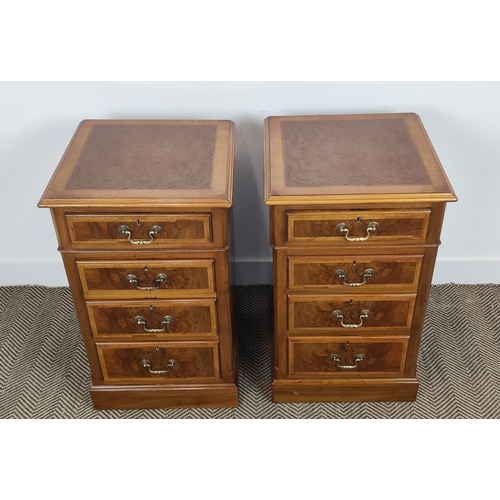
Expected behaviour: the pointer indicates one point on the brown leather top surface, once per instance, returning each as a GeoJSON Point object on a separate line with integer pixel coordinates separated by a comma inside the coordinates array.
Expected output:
{"type": "Point", "coordinates": [146, 157]}
{"type": "Point", "coordinates": [350, 153]}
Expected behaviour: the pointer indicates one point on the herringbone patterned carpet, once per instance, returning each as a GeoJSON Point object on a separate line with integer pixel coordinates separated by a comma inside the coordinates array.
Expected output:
{"type": "Point", "coordinates": [44, 372]}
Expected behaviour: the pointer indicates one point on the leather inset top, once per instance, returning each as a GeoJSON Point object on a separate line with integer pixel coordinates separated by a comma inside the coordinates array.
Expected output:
{"type": "Point", "coordinates": [146, 157]}
{"type": "Point", "coordinates": [350, 153]}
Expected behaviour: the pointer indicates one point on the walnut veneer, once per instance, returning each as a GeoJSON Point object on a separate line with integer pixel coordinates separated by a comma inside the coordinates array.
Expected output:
{"type": "Point", "coordinates": [142, 211]}
{"type": "Point", "coordinates": [356, 208]}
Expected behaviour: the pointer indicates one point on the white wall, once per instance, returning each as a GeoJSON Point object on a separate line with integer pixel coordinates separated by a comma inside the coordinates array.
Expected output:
{"type": "Point", "coordinates": [37, 120]}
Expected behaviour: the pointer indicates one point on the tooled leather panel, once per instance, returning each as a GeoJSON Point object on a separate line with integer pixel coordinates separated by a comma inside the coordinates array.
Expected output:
{"type": "Point", "coordinates": [351, 152]}
{"type": "Point", "coordinates": [146, 157]}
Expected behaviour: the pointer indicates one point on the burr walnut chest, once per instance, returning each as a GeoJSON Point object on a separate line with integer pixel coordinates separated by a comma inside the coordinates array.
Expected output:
{"type": "Point", "coordinates": [356, 208]}
{"type": "Point", "coordinates": [142, 214]}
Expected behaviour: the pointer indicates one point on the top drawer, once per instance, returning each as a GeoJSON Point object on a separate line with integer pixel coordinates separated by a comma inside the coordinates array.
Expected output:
{"type": "Point", "coordinates": [134, 231]}
{"type": "Point", "coordinates": [357, 226]}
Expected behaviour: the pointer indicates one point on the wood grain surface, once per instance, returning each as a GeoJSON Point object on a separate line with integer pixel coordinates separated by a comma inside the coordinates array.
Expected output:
{"type": "Point", "coordinates": [312, 356]}
{"type": "Point", "coordinates": [193, 361]}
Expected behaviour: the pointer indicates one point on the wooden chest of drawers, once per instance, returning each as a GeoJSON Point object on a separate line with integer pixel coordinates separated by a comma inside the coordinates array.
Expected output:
{"type": "Point", "coordinates": [142, 211]}
{"type": "Point", "coordinates": [356, 208]}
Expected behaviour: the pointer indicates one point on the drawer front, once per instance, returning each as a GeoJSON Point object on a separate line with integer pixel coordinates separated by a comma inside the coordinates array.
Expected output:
{"type": "Point", "coordinates": [346, 356]}
{"type": "Point", "coordinates": [348, 275]}
{"type": "Point", "coordinates": [149, 321]}
{"type": "Point", "coordinates": [357, 227]}
{"type": "Point", "coordinates": [391, 314]}
{"type": "Point", "coordinates": [163, 362]}
{"type": "Point", "coordinates": [146, 278]}
{"type": "Point", "coordinates": [133, 231]}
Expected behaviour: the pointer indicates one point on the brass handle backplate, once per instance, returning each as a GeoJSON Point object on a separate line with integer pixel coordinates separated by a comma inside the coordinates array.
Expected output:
{"type": "Point", "coordinates": [338, 314]}
{"type": "Point", "coordinates": [125, 231]}
{"type": "Point", "coordinates": [167, 320]}
{"type": "Point", "coordinates": [343, 229]}
{"type": "Point", "coordinates": [132, 279]}
{"type": "Point", "coordinates": [147, 364]}
{"type": "Point", "coordinates": [340, 273]}
{"type": "Point", "coordinates": [357, 360]}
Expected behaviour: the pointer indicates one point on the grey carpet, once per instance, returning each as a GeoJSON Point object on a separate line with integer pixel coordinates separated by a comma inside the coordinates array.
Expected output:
{"type": "Point", "coordinates": [44, 372]}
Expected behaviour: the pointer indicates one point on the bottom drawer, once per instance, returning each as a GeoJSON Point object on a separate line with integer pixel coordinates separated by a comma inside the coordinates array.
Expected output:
{"type": "Point", "coordinates": [314, 357]}
{"type": "Point", "coordinates": [167, 362]}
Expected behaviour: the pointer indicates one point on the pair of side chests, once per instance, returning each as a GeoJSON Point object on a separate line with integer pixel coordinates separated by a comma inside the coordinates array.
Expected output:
{"type": "Point", "coordinates": [142, 211]}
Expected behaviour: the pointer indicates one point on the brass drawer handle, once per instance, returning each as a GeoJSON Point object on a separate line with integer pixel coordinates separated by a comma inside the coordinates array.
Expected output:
{"type": "Point", "coordinates": [132, 279]}
{"type": "Point", "coordinates": [147, 364]}
{"type": "Point", "coordinates": [125, 231]}
{"type": "Point", "coordinates": [357, 360]}
{"type": "Point", "coordinates": [338, 314]}
{"type": "Point", "coordinates": [167, 320]}
{"type": "Point", "coordinates": [371, 228]}
{"type": "Point", "coordinates": [340, 273]}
